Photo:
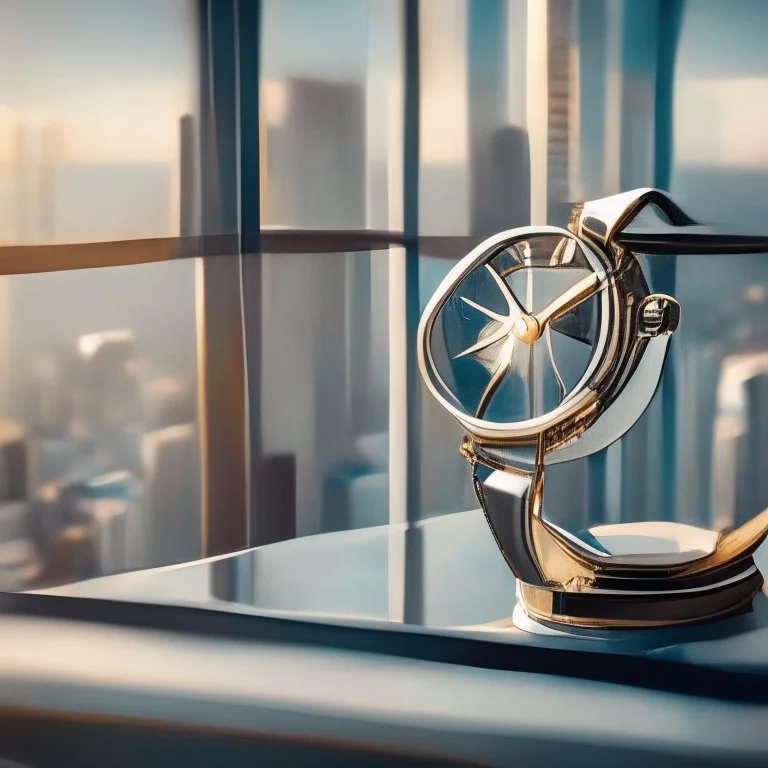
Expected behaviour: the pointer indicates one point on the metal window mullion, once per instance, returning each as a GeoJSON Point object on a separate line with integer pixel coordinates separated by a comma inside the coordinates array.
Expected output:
{"type": "Point", "coordinates": [221, 364]}
{"type": "Point", "coordinates": [664, 274]}
{"type": "Point", "coordinates": [414, 561]}
{"type": "Point", "coordinates": [249, 16]}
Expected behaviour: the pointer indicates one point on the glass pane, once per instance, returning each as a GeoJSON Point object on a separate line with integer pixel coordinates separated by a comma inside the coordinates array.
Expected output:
{"type": "Point", "coordinates": [720, 174]}
{"type": "Point", "coordinates": [331, 99]}
{"type": "Point", "coordinates": [331, 152]}
{"type": "Point", "coordinates": [100, 451]}
{"type": "Point", "coordinates": [325, 387]}
{"type": "Point", "coordinates": [90, 121]}
{"type": "Point", "coordinates": [93, 401]}
{"type": "Point", "coordinates": [444, 173]}
{"type": "Point", "coordinates": [323, 448]}
{"type": "Point", "coordinates": [473, 172]}
{"type": "Point", "coordinates": [100, 457]}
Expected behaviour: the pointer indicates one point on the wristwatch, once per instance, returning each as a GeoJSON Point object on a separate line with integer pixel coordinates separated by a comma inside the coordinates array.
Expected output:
{"type": "Point", "coordinates": [547, 345]}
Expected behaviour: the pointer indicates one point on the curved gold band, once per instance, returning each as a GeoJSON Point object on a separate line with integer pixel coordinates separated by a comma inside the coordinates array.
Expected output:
{"type": "Point", "coordinates": [637, 609]}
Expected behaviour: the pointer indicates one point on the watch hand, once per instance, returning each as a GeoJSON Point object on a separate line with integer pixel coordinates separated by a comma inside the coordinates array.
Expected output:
{"type": "Point", "coordinates": [515, 307]}
{"type": "Point", "coordinates": [560, 382]}
{"type": "Point", "coordinates": [488, 341]}
{"type": "Point", "coordinates": [529, 328]}
{"type": "Point", "coordinates": [502, 369]}
{"type": "Point", "coordinates": [570, 299]}
{"type": "Point", "coordinates": [529, 379]}
{"type": "Point", "coordinates": [487, 312]}
{"type": "Point", "coordinates": [507, 323]}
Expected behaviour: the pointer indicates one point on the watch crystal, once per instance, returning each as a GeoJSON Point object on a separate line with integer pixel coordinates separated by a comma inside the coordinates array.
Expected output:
{"type": "Point", "coordinates": [519, 331]}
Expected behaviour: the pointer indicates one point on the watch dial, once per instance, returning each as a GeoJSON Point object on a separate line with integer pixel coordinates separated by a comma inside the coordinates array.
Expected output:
{"type": "Point", "coordinates": [518, 332]}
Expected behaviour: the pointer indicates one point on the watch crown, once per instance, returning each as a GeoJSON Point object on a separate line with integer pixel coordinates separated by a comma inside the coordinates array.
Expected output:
{"type": "Point", "coordinates": [658, 315]}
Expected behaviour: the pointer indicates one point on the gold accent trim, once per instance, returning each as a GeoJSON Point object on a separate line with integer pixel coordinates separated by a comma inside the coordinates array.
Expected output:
{"type": "Point", "coordinates": [732, 546]}
{"type": "Point", "coordinates": [539, 604]}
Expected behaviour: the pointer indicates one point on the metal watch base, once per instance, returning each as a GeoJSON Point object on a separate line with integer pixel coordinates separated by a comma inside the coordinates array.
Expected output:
{"type": "Point", "coordinates": [646, 603]}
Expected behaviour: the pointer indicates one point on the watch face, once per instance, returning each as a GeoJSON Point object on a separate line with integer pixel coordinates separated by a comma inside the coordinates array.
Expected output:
{"type": "Point", "coordinates": [513, 335]}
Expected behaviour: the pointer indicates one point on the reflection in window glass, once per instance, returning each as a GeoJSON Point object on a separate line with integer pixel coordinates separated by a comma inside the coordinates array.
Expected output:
{"type": "Point", "coordinates": [720, 174]}
{"type": "Point", "coordinates": [99, 453]}
{"type": "Point", "coordinates": [444, 179]}
{"type": "Point", "coordinates": [98, 402]}
{"type": "Point", "coordinates": [90, 120]}
{"type": "Point", "coordinates": [331, 100]}
{"type": "Point", "coordinates": [331, 95]}
{"type": "Point", "coordinates": [325, 386]}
